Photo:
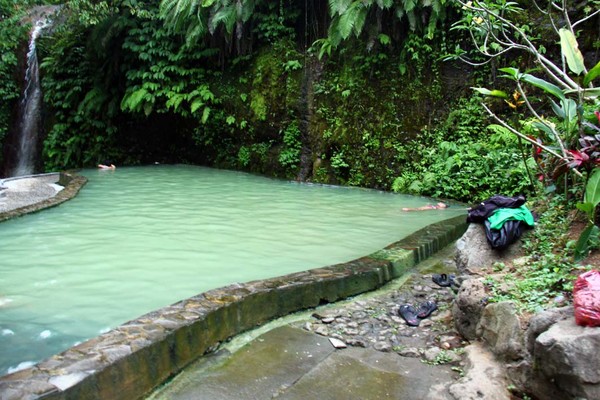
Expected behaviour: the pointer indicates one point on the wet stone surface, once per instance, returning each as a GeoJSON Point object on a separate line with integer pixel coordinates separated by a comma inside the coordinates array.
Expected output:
{"type": "Point", "coordinates": [376, 323]}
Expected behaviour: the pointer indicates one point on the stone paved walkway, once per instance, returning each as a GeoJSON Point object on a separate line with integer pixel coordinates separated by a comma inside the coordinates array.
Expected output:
{"type": "Point", "coordinates": [383, 358]}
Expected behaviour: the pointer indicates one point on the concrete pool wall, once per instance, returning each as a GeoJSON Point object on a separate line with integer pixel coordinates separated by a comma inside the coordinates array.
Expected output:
{"type": "Point", "coordinates": [33, 193]}
{"type": "Point", "coordinates": [131, 360]}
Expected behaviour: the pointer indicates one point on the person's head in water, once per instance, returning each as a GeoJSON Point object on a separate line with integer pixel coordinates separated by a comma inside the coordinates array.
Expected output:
{"type": "Point", "coordinates": [441, 205]}
{"type": "Point", "coordinates": [106, 164]}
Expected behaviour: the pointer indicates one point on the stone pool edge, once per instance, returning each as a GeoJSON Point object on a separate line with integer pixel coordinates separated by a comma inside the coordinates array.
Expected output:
{"type": "Point", "coordinates": [72, 184]}
{"type": "Point", "coordinates": [131, 360]}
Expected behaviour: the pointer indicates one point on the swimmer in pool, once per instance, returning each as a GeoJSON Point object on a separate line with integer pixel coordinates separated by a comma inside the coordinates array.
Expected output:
{"type": "Point", "coordinates": [107, 165]}
{"type": "Point", "coordinates": [438, 206]}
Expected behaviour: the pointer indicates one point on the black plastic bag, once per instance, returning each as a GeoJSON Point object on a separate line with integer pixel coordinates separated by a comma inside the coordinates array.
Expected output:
{"type": "Point", "coordinates": [500, 239]}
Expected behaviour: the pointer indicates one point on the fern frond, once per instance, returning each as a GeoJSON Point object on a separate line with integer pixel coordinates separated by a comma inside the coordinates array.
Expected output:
{"type": "Point", "coordinates": [347, 21]}
{"type": "Point", "coordinates": [334, 32]}
{"type": "Point", "coordinates": [409, 5]}
{"type": "Point", "coordinates": [338, 7]}
{"type": "Point", "coordinates": [225, 16]}
{"type": "Point", "coordinates": [360, 19]}
{"type": "Point", "coordinates": [412, 20]}
{"type": "Point", "coordinates": [133, 101]}
{"type": "Point", "coordinates": [383, 4]}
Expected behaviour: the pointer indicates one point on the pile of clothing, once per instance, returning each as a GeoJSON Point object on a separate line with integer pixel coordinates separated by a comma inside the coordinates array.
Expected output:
{"type": "Point", "coordinates": [504, 218]}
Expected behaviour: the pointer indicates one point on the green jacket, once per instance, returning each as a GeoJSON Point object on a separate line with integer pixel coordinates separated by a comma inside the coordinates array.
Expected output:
{"type": "Point", "coordinates": [501, 215]}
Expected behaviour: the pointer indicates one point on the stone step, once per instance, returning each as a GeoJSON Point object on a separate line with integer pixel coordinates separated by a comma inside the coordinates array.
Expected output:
{"type": "Point", "coordinates": [292, 364]}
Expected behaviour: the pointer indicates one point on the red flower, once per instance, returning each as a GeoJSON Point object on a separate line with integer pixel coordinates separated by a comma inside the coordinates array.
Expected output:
{"type": "Point", "coordinates": [579, 158]}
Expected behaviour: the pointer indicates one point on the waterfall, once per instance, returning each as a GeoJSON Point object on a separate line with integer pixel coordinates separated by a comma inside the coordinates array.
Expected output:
{"type": "Point", "coordinates": [30, 108]}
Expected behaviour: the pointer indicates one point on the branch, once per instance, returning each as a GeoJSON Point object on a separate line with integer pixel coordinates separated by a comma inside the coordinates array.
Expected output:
{"type": "Point", "coordinates": [556, 73]}
{"type": "Point", "coordinates": [519, 134]}
{"type": "Point", "coordinates": [539, 118]}
{"type": "Point", "coordinates": [527, 138]}
{"type": "Point", "coordinates": [586, 18]}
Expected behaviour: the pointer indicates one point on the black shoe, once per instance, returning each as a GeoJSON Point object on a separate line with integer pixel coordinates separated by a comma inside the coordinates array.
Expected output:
{"type": "Point", "coordinates": [425, 309]}
{"type": "Point", "coordinates": [409, 314]}
{"type": "Point", "coordinates": [444, 280]}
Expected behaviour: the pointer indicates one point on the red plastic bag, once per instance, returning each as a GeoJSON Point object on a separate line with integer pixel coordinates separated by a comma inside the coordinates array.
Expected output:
{"type": "Point", "coordinates": [586, 298]}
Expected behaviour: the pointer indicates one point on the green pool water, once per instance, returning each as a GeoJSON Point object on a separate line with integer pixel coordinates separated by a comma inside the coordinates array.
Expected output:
{"type": "Point", "coordinates": [137, 239]}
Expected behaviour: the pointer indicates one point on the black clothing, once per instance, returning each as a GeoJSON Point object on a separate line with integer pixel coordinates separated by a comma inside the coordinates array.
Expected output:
{"type": "Point", "coordinates": [501, 238]}
{"type": "Point", "coordinates": [487, 207]}
{"type": "Point", "coordinates": [511, 230]}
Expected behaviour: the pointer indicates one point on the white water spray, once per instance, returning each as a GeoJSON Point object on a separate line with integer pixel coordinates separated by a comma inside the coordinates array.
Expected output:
{"type": "Point", "coordinates": [30, 108]}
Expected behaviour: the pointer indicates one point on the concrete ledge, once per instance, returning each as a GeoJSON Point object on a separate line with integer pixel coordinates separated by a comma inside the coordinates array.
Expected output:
{"type": "Point", "coordinates": [72, 184]}
{"type": "Point", "coordinates": [130, 361]}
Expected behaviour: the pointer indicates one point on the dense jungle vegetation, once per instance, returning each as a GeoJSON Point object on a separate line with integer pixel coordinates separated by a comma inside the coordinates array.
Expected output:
{"type": "Point", "coordinates": [444, 98]}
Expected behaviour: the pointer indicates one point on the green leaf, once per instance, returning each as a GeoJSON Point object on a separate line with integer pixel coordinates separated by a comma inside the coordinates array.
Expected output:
{"type": "Point", "coordinates": [205, 114]}
{"type": "Point", "coordinates": [587, 208]}
{"type": "Point", "coordinates": [347, 21]}
{"type": "Point", "coordinates": [591, 75]}
{"type": "Point", "coordinates": [385, 39]}
{"type": "Point", "coordinates": [543, 127]}
{"type": "Point", "coordinates": [512, 72]}
{"type": "Point", "coordinates": [196, 104]}
{"type": "Point", "coordinates": [174, 100]}
{"type": "Point", "coordinates": [133, 101]}
{"type": "Point", "coordinates": [544, 85]}
{"type": "Point", "coordinates": [493, 93]}
{"type": "Point", "coordinates": [499, 129]}
{"type": "Point", "coordinates": [592, 189]}
{"type": "Point", "coordinates": [570, 50]}
{"type": "Point", "coordinates": [588, 236]}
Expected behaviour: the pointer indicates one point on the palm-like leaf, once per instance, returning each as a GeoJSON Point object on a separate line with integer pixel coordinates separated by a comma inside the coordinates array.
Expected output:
{"type": "Point", "coordinates": [592, 190]}
{"type": "Point", "coordinates": [226, 16]}
{"type": "Point", "coordinates": [338, 7]}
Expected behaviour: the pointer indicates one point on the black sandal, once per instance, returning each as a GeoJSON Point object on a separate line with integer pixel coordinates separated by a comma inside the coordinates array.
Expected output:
{"type": "Point", "coordinates": [443, 279]}
{"type": "Point", "coordinates": [409, 314]}
{"type": "Point", "coordinates": [425, 309]}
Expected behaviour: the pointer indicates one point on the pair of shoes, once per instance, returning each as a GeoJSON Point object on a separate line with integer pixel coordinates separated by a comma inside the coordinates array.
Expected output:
{"type": "Point", "coordinates": [409, 314]}
{"type": "Point", "coordinates": [413, 316]}
{"type": "Point", "coordinates": [444, 280]}
{"type": "Point", "coordinates": [425, 309]}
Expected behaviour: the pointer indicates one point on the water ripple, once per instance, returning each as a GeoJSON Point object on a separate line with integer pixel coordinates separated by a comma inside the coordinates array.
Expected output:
{"type": "Point", "coordinates": [137, 239]}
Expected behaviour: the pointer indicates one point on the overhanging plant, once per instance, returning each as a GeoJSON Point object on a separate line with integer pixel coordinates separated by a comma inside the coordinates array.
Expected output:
{"type": "Point", "coordinates": [567, 83]}
{"type": "Point", "coordinates": [591, 234]}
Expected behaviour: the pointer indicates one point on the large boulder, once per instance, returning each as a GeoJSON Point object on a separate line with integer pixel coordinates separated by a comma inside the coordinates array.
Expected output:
{"type": "Point", "coordinates": [473, 252]}
{"type": "Point", "coordinates": [468, 306]}
{"type": "Point", "coordinates": [542, 321]}
{"type": "Point", "coordinates": [566, 360]}
{"type": "Point", "coordinates": [501, 329]}
{"type": "Point", "coordinates": [484, 378]}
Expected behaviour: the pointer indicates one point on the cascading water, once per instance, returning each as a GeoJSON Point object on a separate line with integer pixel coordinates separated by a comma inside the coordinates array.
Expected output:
{"type": "Point", "coordinates": [30, 107]}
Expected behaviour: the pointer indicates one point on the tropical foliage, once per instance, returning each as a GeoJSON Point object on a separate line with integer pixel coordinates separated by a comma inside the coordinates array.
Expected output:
{"type": "Point", "coordinates": [465, 160]}
{"type": "Point", "coordinates": [349, 92]}
{"type": "Point", "coordinates": [371, 93]}
{"type": "Point", "coordinates": [589, 238]}
{"type": "Point", "coordinates": [495, 29]}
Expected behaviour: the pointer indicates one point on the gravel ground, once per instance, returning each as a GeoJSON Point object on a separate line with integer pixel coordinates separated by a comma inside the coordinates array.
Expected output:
{"type": "Point", "coordinates": [374, 321]}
